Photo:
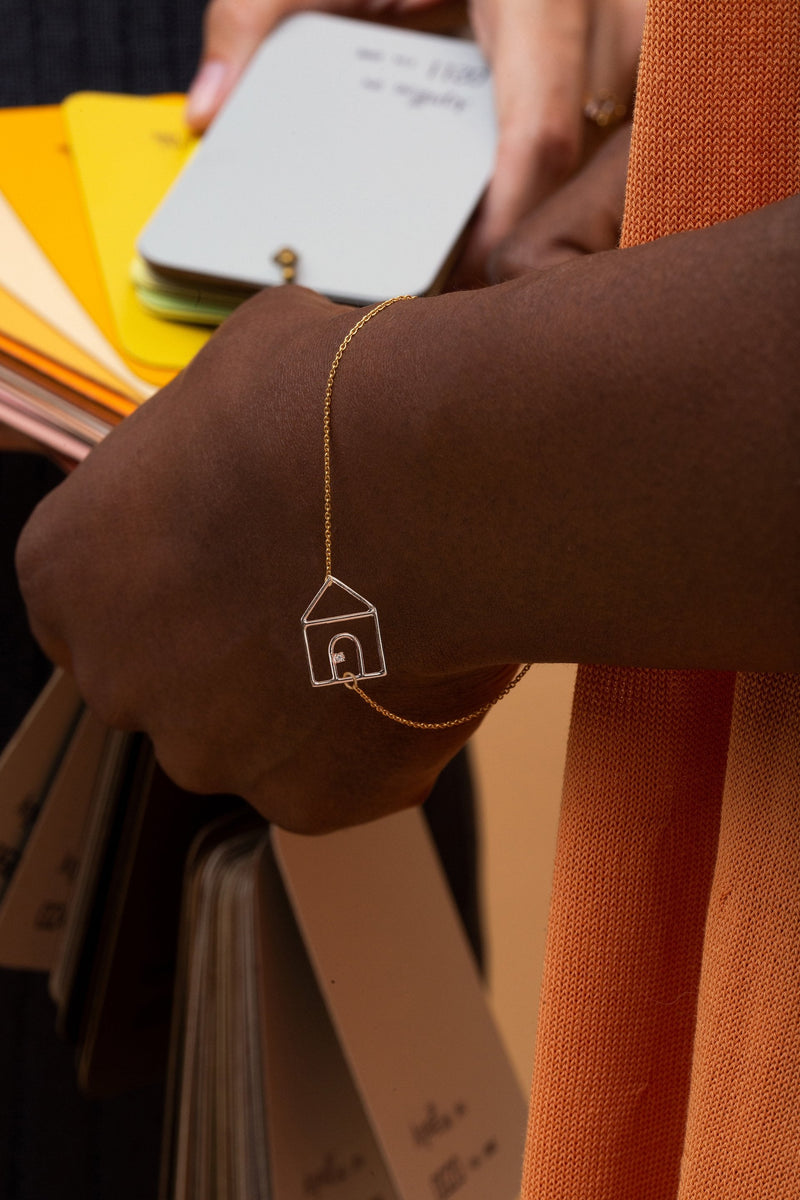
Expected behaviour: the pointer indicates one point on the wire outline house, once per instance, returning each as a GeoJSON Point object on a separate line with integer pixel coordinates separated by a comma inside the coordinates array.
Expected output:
{"type": "Point", "coordinates": [325, 635]}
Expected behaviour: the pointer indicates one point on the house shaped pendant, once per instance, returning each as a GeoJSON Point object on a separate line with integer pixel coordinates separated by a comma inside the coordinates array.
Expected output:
{"type": "Point", "coordinates": [342, 636]}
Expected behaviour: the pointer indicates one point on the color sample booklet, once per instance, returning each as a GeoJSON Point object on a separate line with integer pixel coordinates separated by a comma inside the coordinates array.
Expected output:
{"type": "Point", "coordinates": [359, 149]}
{"type": "Point", "coordinates": [313, 1000]}
{"type": "Point", "coordinates": [331, 1036]}
{"type": "Point", "coordinates": [126, 151]}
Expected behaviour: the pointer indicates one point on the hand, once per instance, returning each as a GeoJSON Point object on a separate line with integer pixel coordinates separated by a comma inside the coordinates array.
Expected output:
{"type": "Point", "coordinates": [548, 56]}
{"type": "Point", "coordinates": [583, 217]}
{"type": "Point", "coordinates": [171, 570]}
{"type": "Point", "coordinates": [234, 29]}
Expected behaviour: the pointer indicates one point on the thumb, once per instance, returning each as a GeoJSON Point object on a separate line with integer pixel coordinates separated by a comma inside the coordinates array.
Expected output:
{"type": "Point", "coordinates": [232, 32]}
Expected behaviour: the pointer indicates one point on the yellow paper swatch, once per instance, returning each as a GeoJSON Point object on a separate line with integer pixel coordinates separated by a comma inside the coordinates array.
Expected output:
{"type": "Point", "coordinates": [37, 178]}
{"type": "Point", "coordinates": [127, 150]}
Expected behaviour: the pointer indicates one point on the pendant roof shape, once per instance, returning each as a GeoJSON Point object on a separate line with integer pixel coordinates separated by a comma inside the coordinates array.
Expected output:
{"type": "Point", "coordinates": [331, 590]}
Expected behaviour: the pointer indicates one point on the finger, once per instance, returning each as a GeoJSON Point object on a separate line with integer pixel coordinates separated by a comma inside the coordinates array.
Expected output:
{"type": "Point", "coordinates": [613, 58]}
{"type": "Point", "coordinates": [615, 44]}
{"type": "Point", "coordinates": [584, 217]}
{"type": "Point", "coordinates": [538, 53]}
{"type": "Point", "coordinates": [232, 32]}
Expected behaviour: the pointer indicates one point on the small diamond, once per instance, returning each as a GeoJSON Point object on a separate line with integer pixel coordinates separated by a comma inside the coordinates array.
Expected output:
{"type": "Point", "coordinates": [339, 657]}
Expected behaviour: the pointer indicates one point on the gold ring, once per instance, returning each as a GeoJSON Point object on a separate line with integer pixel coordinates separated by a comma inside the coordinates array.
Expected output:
{"type": "Point", "coordinates": [604, 110]}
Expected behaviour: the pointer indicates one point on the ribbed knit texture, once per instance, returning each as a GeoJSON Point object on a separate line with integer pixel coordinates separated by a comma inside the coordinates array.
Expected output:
{"type": "Point", "coordinates": [668, 1050]}
{"type": "Point", "coordinates": [633, 870]}
{"type": "Point", "coordinates": [717, 126]}
{"type": "Point", "coordinates": [743, 1132]}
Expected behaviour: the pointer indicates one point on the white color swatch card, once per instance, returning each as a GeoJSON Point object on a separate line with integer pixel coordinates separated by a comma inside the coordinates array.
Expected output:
{"type": "Point", "coordinates": [363, 149]}
{"type": "Point", "coordinates": [402, 992]}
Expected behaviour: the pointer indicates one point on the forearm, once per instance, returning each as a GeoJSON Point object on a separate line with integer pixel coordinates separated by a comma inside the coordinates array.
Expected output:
{"type": "Point", "coordinates": [600, 463]}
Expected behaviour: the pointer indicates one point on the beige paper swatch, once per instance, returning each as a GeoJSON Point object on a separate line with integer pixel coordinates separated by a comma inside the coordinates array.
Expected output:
{"type": "Point", "coordinates": [27, 274]}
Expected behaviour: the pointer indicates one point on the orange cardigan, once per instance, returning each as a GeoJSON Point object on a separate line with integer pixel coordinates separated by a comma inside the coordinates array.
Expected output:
{"type": "Point", "coordinates": [668, 1050]}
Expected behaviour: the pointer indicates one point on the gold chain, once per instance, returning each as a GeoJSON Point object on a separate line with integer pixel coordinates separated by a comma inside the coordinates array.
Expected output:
{"type": "Point", "coordinates": [350, 680]}
{"type": "Point", "coordinates": [326, 421]}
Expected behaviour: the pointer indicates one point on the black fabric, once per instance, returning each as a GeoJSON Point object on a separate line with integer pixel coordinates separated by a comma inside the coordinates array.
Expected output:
{"type": "Point", "coordinates": [24, 479]}
{"type": "Point", "coordinates": [452, 818]}
{"type": "Point", "coordinates": [54, 1144]}
{"type": "Point", "coordinates": [49, 48]}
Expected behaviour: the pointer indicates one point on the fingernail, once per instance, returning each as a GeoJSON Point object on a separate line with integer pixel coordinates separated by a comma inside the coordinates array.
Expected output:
{"type": "Point", "coordinates": [205, 92]}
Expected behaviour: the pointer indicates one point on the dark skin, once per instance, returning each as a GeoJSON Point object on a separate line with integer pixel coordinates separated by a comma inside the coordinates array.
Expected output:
{"type": "Point", "coordinates": [595, 463]}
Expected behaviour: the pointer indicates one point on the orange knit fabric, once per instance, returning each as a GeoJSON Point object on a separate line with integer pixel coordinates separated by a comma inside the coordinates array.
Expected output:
{"type": "Point", "coordinates": [717, 123]}
{"type": "Point", "coordinates": [743, 1132]}
{"type": "Point", "coordinates": [668, 1050]}
{"type": "Point", "coordinates": [633, 871]}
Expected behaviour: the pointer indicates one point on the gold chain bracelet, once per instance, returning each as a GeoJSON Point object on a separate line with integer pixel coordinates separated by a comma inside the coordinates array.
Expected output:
{"type": "Point", "coordinates": [340, 627]}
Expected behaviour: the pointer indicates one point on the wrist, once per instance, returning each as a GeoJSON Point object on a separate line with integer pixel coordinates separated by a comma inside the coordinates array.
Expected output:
{"type": "Point", "coordinates": [415, 442]}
